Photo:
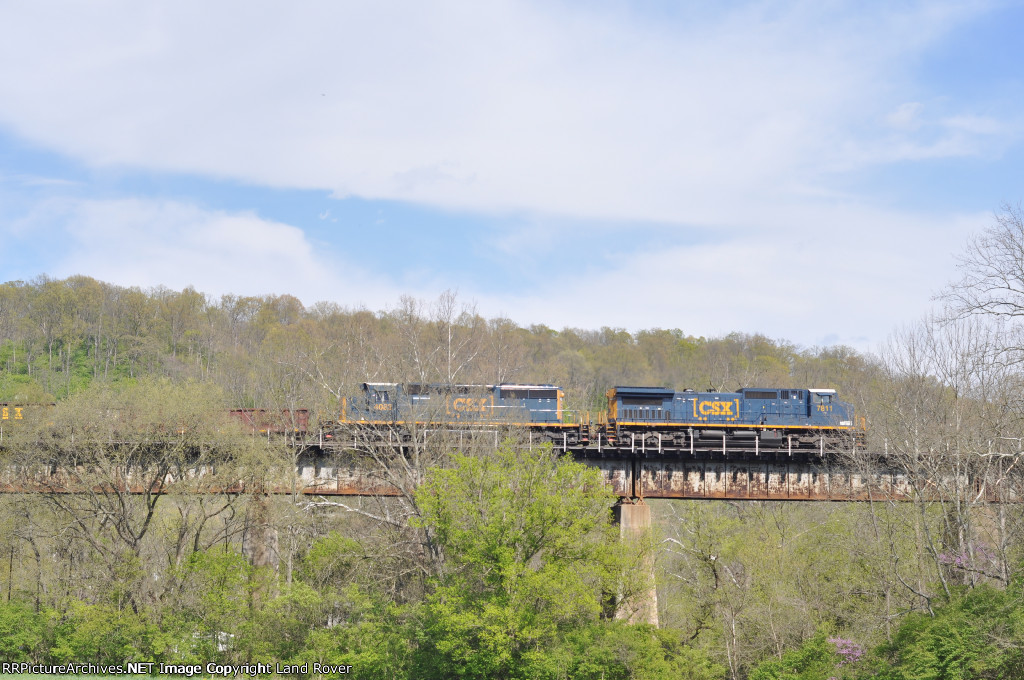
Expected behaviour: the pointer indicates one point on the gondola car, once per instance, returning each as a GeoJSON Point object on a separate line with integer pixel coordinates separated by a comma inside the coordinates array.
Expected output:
{"type": "Point", "coordinates": [408, 406]}
{"type": "Point", "coordinates": [750, 419]}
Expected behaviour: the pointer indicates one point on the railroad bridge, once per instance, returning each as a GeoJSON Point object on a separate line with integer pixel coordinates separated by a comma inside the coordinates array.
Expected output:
{"type": "Point", "coordinates": [634, 471]}
{"type": "Point", "coordinates": [634, 475]}
{"type": "Point", "coordinates": [355, 465]}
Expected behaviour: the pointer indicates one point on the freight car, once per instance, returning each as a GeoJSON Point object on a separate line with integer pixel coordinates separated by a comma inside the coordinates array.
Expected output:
{"type": "Point", "coordinates": [265, 421]}
{"type": "Point", "coordinates": [649, 418]}
{"type": "Point", "coordinates": [404, 407]}
{"type": "Point", "coordinates": [13, 415]}
{"type": "Point", "coordinates": [17, 415]}
{"type": "Point", "coordinates": [294, 422]}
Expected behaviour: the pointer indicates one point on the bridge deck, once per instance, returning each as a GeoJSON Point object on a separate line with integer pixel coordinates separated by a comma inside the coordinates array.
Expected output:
{"type": "Point", "coordinates": [709, 474]}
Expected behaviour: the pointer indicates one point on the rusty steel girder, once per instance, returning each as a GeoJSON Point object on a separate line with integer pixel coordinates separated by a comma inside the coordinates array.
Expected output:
{"type": "Point", "coordinates": [341, 473]}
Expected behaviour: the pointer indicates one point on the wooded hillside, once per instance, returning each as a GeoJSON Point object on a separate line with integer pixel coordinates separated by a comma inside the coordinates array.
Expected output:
{"type": "Point", "coordinates": [457, 578]}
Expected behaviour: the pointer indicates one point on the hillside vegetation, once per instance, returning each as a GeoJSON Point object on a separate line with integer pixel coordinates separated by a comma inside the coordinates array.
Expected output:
{"type": "Point", "coordinates": [61, 336]}
{"type": "Point", "coordinates": [492, 564]}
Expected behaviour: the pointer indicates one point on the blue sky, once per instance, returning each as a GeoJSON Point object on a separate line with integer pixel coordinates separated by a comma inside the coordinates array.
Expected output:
{"type": "Point", "coordinates": [807, 170]}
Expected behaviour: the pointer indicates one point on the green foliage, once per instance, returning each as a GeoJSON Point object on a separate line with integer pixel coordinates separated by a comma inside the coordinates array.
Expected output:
{"type": "Point", "coordinates": [501, 516]}
{"type": "Point", "coordinates": [815, 659]}
{"type": "Point", "coordinates": [614, 650]}
{"type": "Point", "coordinates": [530, 554]}
{"type": "Point", "coordinates": [377, 641]}
{"type": "Point", "coordinates": [19, 388]}
{"type": "Point", "coordinates": [103, 634]}
{"type": "Point", "coordinates": [218, 583]}
{"type": "Point", "coordinates": [329, 560]}
{"type": "Point", "coordinates": [23, 632]}
{"type": "Point", "coordinates": [278, 628]}
{"type": "Point", "coordinates": [979, 635]}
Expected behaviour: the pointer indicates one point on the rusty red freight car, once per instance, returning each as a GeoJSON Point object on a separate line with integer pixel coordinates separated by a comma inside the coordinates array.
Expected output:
{"type": "Point", "coordinates": [263, 421]}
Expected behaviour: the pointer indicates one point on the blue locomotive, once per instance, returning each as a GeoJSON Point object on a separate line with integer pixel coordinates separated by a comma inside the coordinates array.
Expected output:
{"type": "Point", "coordinates": [405, 406]}
{"type": "Point", "coordinates": [750, 419]}
{"type": "Point", "coordinates": [642, 419]}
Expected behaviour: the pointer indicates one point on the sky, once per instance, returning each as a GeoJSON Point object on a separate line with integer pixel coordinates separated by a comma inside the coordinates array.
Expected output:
{"type": "Point", "coordinates": [804, 170]}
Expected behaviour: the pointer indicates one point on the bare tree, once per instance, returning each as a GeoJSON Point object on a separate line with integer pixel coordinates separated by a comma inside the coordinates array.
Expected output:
{"type": "Point", "coordinates": [111, 457]}
{"type": "Point", "coordinates": [992, 281]}
{"type": "Point", "coordinates": [952, 426]}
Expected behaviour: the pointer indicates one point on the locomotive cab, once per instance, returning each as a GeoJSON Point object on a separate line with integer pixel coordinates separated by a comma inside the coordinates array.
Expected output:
{"type": "Point", "coordinates": [824, 406]}
{"type": "Point", "coordinates": [821, 400]}
{"type": "Point", "coordinates": [375, 403]}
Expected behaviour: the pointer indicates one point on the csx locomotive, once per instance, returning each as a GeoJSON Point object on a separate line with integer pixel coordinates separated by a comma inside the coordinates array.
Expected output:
{"type": "Point", "coordinates": [641, 418]}
{"type": "Point", "coordinates": [409, 405]}
{"type": "Point", "coordinates": [751, 418]}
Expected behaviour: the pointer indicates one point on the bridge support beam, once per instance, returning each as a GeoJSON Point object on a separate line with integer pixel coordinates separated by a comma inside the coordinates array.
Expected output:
{"type": "Point", "coordinates": [634, 520]}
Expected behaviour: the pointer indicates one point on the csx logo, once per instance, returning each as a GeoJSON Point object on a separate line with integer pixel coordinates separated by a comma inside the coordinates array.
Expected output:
{"type": "Point", "coordinates": [469, 404]}
{"type": "Point", "coordinates": [7, 412]}
{"type": "Point", "coordinates": [728, 409]}
{"type": "Point", "coordinates": [716, 408]}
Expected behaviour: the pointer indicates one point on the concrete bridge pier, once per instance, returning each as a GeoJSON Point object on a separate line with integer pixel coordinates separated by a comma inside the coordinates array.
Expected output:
{"type": "Point", "coordinates": [634, 520]}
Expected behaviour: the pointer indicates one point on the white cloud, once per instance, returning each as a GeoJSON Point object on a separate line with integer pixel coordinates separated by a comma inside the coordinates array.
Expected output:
{"type": "Point", "coordinates": [482, 106]}
{"type": "Point", "coordinates": [906, 116]}
{"type": "Point", "coordinates": [152, 243]}
{"type": "Point", "coordinates": [860, 274]}
{"type": "Point", "coordinates": [976, 125]}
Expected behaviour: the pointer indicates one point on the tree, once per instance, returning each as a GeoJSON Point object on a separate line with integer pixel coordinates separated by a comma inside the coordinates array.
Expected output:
{"type": "Point", "coordinates": [818, 658]}
{"type": "Point", "coordinates": [978, 635]}
{"type": "Point", "coordinates": [22, 632]}
{"type": "Point", "coordinates": [530, 553]}
{"type": "Point", "coordinates": [122, 451]}
{"type": "Point", "coordinates": [993, 270]}
{"type": "Point", "coordinates": [953, 427]}
{"type": "Point", "coordinates": [103, 634]}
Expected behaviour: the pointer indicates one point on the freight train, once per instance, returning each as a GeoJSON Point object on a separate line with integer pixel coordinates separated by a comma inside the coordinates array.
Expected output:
{"type": "Point", "coordinates": [640, 418]}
